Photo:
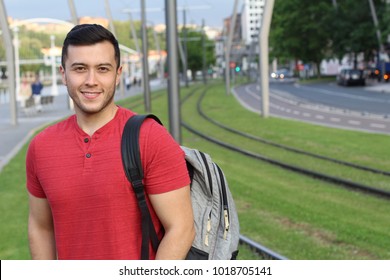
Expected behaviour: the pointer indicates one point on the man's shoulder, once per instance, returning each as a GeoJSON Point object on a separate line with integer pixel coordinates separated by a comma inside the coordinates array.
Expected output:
{"type": "Point", "coordinates": [125, 113]}
{"type": "Point", "coordinates": [57, 130]}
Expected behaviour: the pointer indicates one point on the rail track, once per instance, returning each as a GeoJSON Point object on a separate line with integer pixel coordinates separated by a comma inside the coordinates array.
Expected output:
{"type": "Point", "coordinates": [256, 247]}
{"type": "Point", "coordinates": [259, 249]}
{"type": "Point", "coordinates": [315, 174]}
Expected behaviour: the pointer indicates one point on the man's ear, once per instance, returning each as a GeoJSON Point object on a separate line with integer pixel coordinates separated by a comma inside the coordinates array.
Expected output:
{"type": "Point", "coordinates": [118, 75]}
{"type": "Point", "coordinates": [63, 76]}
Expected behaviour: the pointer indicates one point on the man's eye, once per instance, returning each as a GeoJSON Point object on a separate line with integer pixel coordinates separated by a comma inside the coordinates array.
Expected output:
{"type": "Point", "coordinates": [103, 69]}
{"type": "Point", "coordinates": [79, 69]}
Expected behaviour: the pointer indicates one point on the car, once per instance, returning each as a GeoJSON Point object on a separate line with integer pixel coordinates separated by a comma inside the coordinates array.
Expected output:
{"type": "Point", "coordinates": [348, 77]}
{"type": "Point", "coordinates": [281, 74]}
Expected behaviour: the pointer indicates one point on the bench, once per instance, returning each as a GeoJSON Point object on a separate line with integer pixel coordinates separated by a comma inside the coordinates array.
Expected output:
{"type": "Point", "coordinates": [30, 107]}
{"type": "Point", "coordinates": [47, 100]}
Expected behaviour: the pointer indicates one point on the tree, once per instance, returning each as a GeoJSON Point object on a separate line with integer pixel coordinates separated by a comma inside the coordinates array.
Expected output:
{"type": "Point", "coordinates": [194, 50]}
{"type": "Point", "coordinates": [300, 30]}
{"type": "Point", "coordinates": [354, 30]}
{"type": "Point", "coordinates": [125, 37]}
{"type": "Point", "coordinates": [315, 30]}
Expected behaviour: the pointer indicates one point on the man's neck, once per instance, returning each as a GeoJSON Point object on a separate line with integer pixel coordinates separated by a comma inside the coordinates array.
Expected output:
{"type": "Point", "coordinates": [90, 123]}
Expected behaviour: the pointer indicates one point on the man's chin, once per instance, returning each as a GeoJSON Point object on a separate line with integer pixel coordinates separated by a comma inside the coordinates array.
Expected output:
{"type": "Point", "coordinates": [89, 110]}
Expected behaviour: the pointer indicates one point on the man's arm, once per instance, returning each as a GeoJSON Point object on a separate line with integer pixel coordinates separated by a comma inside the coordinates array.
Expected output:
{"type": "Point", "coordinates": [174, 209]}
{"type": "Point", "coordinates": [41, 230]}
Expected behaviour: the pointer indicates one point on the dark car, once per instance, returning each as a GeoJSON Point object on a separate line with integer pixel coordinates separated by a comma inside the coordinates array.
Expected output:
{"type": "Point", "coordinates": [349, 77]}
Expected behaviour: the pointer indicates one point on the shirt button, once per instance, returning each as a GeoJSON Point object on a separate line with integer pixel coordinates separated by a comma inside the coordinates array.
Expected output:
{"type": "Point", "coordinates": [86, 140]}
{"type": "Point", "coordinates": [88, 155]}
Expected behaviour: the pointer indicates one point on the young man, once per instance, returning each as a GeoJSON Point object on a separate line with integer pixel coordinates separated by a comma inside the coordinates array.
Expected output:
{"type": "Point", "coordinates": [81, 204]}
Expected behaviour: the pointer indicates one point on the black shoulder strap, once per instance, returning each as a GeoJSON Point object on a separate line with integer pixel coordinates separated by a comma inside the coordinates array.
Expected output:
{"type": "Point", "coordinates": [133, 168]}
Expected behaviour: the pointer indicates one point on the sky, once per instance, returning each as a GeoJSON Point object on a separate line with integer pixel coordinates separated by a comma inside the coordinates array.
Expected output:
{"type": "Point", "coordinates": [212, 11]}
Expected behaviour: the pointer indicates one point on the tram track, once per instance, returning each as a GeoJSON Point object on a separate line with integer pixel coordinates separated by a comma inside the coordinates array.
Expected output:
{"type": "Point", "coordinates": [262, 251]}
{"type": "Point", "coordinates": [288, 148]}
{"type": "Point", "coordinates": [307, 172]}
{"type": "Point", "coordinates": [257, 248]}
{"type": "Point", "coordinates": [253, 246]}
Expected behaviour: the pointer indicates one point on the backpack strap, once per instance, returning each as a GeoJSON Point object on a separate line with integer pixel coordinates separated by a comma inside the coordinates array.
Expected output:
{"type": "Point", "coordinates": [132, 165]}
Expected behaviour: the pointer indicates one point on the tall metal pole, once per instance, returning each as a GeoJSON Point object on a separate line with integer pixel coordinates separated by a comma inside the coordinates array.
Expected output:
{"type": "Point", "coordinates": [375, 20]}
{"type": "Point", "coordinates": [109, 15]}
{"type": "Point", "coordinates": [134, 33]}
{"type": "Point", "coordinates": [264, 55]}
{"type": "Point", "coordinates": [112, 29]}
{"type": "Point", "coordinates": [75, 21]}
{"type": "Point", "coordinates": [72, 8]}
{"type": "Point", "coordinates": [9, 52]}
{"type": "Point", "coordinates": [17, 61]}
{"type": "Point", "coordinates": [160, 60]}
{"type": "Point", "coordinates": [135, 38]}
{"type": "Point", "coordinates": [145, 66]}
{"type": "Point", "coordinates": [204, 71]}
{"type": "Point", "coordinates": [229, 46]}
{"type": "Point", "coordinates": [379, 38]}
{"type": "Point", "coordinates": [185, 50]}
{"type": "Point", "coordinates": [173, 70]}
{"type": "Point", "coordinates": [181, 53]}
{"type": "Point", "coordinates": [54, 87]}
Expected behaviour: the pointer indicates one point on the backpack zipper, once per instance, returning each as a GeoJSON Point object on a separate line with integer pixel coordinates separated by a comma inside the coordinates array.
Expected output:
{"type": "Point", "coordinates": [208, 227]}
{"type": "Point", "coordinates": [224, 203]}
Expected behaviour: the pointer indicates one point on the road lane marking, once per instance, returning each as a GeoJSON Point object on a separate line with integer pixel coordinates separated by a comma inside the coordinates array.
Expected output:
{"type": "Point", "coordinates": [354, 122]}
{"type": "Point", "coordinates": [378, 125]}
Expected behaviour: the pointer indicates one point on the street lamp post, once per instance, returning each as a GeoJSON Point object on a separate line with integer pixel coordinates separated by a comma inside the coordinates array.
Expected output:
{"type": "Point", "coordinates": [145, 65]}
{"type": "Point", "coordinates": [54, 87]}
{"type": "Point", "coordinates": [73, 12]}
{"type": "Point", "coordinates": [160, 68]}
{"type": "Point", "coordinates": [133, 67]}
{"type": "Point", "coordinates": [173, 70]}
{"type": "Point", "coordinates": [17, 61]}
{"type": "Point", "coordinates": [9, 52]}
{"type": "Point", "coordinates": [264, 55]}
{"type": "Point", "coordinates": [379, 38]}
{"type": "Point", "coordinates": [228, 47]}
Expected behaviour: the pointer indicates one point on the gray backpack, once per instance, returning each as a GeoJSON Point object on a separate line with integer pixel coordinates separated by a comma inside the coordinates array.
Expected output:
{"type": "Point", "coordinates": [215, 215]}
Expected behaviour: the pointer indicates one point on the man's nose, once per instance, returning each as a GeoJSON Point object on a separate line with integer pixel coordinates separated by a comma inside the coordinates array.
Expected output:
{"type": "Point", "coordinates": [91, 78]}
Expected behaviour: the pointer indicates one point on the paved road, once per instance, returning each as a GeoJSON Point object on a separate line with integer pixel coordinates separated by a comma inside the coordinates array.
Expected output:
{"type": "Point", "coordinates": [286, 105]}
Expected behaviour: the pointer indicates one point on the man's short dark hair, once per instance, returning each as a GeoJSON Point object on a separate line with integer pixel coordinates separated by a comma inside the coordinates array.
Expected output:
{"type": "Point", "coordinates": [89, 34]}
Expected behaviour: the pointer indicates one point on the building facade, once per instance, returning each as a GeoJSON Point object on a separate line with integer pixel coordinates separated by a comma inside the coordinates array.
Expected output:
{"type": "Point", "coordinates": [251, 17]}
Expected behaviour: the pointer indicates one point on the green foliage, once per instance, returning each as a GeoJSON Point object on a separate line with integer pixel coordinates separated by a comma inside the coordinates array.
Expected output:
{"type": "Point", "coordinates": [125, 36]}
{"type": "Point", "coordinates": [315, 30]}
{"type": "Point", "coordinates": [299, 29]}
{"type": "Point", "coordinates": [353, 29]}
{"type": "Point", "coordinates": [194, 50]}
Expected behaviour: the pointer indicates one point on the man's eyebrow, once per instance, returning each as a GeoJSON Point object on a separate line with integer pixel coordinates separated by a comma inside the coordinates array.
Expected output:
{"type": "Point", "coordinates": [78, 64]}
{"type": "Point", "coordinates": [105, 65]}
{"type": "Point", "coordinates": [75, 64]}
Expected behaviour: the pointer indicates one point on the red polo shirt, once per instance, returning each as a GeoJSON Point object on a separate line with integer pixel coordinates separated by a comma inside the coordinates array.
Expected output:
{"type": "Point", "coordinates": [94, 208]}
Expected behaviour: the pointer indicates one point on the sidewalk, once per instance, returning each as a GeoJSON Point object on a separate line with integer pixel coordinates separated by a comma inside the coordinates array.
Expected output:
{"type": "Point", "coordinates": [379, 87]}
{"type": "Point", "coordinates": [13, 138]}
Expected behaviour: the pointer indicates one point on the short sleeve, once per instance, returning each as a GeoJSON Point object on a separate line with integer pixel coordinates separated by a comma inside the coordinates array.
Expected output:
{"type": "Point", "coordinates": [33, 184]}
{"type": "Point", "coordinates": [162, 158]}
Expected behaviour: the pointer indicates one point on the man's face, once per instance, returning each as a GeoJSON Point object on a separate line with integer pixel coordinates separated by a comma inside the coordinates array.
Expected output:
{"type": "Point", "coordinates": [91, 76]}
